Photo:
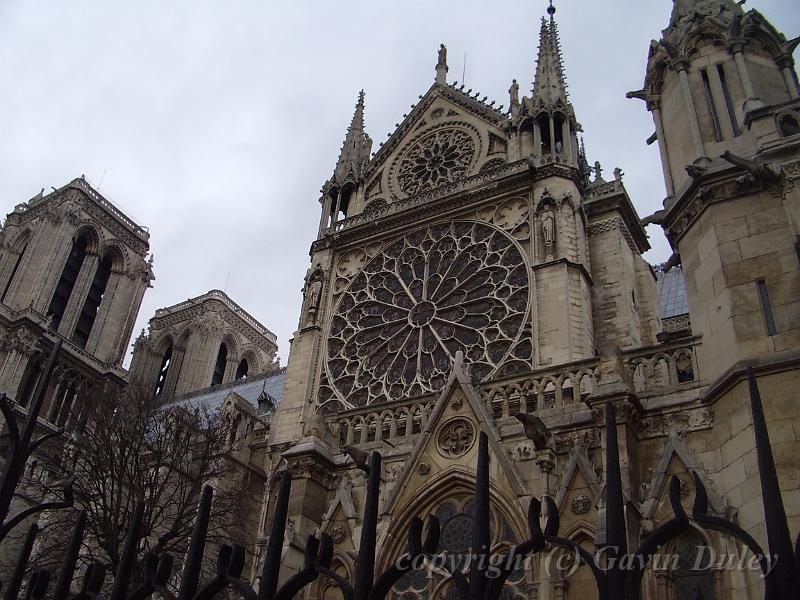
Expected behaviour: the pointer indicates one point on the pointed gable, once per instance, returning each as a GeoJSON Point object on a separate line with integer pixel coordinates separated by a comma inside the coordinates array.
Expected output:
{"type": "Point", "coordinates": [450, 134]}
{"type": "Point", "coordinates": [448, 443]}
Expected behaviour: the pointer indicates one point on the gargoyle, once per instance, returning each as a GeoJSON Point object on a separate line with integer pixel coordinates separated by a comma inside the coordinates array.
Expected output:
{"type": "Point", "coordinates": [657, 218]}
{"type": "Point", "coordinates": [757, 168]}
{"type": "Point", "coordinates": [672, 261]}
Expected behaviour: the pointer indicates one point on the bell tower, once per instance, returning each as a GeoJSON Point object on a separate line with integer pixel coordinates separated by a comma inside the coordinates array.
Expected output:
{"type": "Point", "coordinates": [723, 93]}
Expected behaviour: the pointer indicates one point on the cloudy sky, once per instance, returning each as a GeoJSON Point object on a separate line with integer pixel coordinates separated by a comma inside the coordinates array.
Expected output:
{"type": "Point", "coordinates": [215, 123]}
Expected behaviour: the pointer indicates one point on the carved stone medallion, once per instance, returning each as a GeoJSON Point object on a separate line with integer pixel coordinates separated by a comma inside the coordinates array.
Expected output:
{"type": "Point", "coordinates": [581, 504]}
{"type": "Point", "coordinates": [455, 438]}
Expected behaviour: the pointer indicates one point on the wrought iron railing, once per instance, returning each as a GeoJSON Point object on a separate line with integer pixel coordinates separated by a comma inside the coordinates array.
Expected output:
{"type": "Point", "coordinates": [619, 579]}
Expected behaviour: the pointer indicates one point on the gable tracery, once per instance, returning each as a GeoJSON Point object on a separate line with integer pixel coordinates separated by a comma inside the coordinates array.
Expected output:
{"type": "Point", "coordinates": [436, 157]}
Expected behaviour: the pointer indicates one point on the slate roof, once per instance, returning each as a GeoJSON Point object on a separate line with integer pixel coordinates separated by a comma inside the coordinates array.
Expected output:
{"type": "Point", "coordinates": [251, 389]}
{"type": "Point", "coordinates": [671, 292]}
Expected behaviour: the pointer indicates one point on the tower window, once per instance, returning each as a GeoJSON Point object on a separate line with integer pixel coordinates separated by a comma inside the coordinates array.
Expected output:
{"type": "Point", "coordinates": [543, 123]}
{"type": "Point", "coordinates": [558, 124]}
{"type": "Point", "coordinates": [241, 370]}
{"type": "Point", "coordinates": [219, 366]}
{"type": "Point", "coordinates": [92, 303]}
{"type": "Point", "coordinates": [66, 283]}
{"type": "Point", "coordinates": [163, 370]}
{"type": "Point", "coordinates": [13, 272]}
{"type": "Point", "coordinates": [766, 307]}
{"type": "Point", "coordinates": [712, 109]}
{"type": "Point", "coordinates": [728, 101]}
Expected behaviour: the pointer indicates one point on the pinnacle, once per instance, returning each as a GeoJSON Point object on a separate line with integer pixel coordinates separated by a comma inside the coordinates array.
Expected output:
{"type": "Point", "coordinates": [549, 84]}
{"type": "Point", "coordinates": [356, 147]}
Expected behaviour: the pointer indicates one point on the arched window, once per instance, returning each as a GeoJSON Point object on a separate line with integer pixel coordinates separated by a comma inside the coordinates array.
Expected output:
{"type": "Point", "coordinates": [29, 380]}
{"type": "Point", "coordinates": [543, 122]}
{"type": "Point", "coordinates": [788, 125]}
{"type": "Point", "coordinates": [92, 302]}
{"type": "Point", "coordinates": [21, 253]}
{"type": "Point", "coordinates": [219, 366]}
{"type": "Point", "coordinates": [58, 304]}
{"type": "Point", "coordinates": [163, 370]}
{"type": "Point", "coordinates": [692, 576]}
{"type": "Point", "coordinates": [241, 370]}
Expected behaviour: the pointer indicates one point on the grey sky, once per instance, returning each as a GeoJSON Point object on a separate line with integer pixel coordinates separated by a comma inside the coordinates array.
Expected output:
{"type": "Point", "coordinates": [216, 123]}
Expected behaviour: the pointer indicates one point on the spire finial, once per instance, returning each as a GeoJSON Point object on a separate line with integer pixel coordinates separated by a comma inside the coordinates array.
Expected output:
{"type": "Point", "coordinates": [441, 65]}
{"type": "Point", "coordinates": [356, 148]}
{"type": "Point", "coordinates": [549, 83]}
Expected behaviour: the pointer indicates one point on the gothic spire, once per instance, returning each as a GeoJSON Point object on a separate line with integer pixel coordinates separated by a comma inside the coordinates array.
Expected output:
{"type": "Point", "coordinates": [549, 84]}
{"type": "Point", "coordinates": [357, 145]}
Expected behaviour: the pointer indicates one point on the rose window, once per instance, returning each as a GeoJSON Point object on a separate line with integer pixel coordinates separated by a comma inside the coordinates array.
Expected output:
{"type": "Point", "coordinates": [441, 157]}
{"type": "Point", "coordinates": [448, 287]}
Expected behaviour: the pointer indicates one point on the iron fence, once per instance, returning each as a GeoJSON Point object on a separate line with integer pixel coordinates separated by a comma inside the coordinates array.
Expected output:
{"type": "Point", "coordinates": [482, 580]}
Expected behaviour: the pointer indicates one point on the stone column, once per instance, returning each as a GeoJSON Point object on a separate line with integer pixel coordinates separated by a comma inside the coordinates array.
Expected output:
{"type": "Point", "coordinates": [173, 372]}
{"type": "Point", "coordinates": [78, 296]}
{"type": "Point", "coordinates": [326, 214]}
{"type": "Point", "coordinates": [139, 288]}
{"type": "Point", "coordinates": [552, 135]}
{"type": "Point", "coordinates": [336, 207]}
{"type": "Point", "coordinates": [736, 47]}
{"type": "Point", "coordinates": [785, 64]}
{"type": "Point", "coordinates": [230, 368]}
{"type": "Point", "coordinates": [103, 329]}
{"type": "Point", "coordinates": [655, 108]}
{"type": "Point", "coordinates": [537, 140]}
{"type": "Point", "coordinates": [682, 66]}
{"type": "Point", "coordinates": [565, 142]}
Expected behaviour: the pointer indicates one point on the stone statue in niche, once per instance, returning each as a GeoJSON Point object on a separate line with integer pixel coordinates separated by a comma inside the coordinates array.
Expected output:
{"type": "Point", "coordinates": [549, 234]}
{"type": "Point", "coordinates": [313, 294]}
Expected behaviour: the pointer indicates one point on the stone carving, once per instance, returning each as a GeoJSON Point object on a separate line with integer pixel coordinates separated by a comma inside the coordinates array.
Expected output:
{"type": "Point", "coordinates": [456, 438]}
{"type": "Point", "coordinates": [581, 504]}
{"type": "Point", "coordinates": [337, 535]}
{"type": "Point", "coordinates": [351, 262]}
{"type": "Point", "coordinates": [549, 233]}
{"type": "Point", "coordinates": [512, 214]}
{"type": "Point", "coordinates": [513, 93]}
{"type": "Point", "coordinates": [423, 468]}
{"type": "Point", "coordinates": [448, 287]}
{"type": "Point", "coordinates": [442, 55]}
{"type": "Point", "coordinates": [313, 294]}
{"type": "Point", "coordinates": [457, 403]}
{"type": "Point", "coordinates": [438, 158]}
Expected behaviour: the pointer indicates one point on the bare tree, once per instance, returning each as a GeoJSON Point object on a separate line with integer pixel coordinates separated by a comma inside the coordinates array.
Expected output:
{"type": "Point", "coordinates": [127, 448]}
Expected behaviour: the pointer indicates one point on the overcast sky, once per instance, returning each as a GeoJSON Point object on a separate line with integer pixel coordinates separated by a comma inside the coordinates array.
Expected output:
{"type": "Point", "coordinates": [215, 124]}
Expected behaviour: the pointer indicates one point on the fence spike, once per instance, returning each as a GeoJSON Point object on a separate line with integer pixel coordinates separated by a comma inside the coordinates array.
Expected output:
{"type": "Point", "coordinates": [365, 568]}
{"type": "Point", "coordinates": [20, 449]}
{"type": "Point", "coordinates": [61, 591]}
{"type": "Point", "coordinates": [272, 555]}
{"type": "Point", "coordinates": [783, 578]}
{"type": "Point", "coordinates": [15, 583]}
{"type": "Point", "coordinates": [616, 531]}
{"type": "Point", "coordinates": [128, 558]}
{"type": "Point", "coordinates": [194, 557]}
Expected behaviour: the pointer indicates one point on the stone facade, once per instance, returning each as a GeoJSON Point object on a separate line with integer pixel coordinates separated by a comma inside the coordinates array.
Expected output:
{"type": "Point", "coordinates": [73, 267]}
{"type": "Point", "coordinates": [473, 268]}
{"type": "Point", "coordinates": [204, 341]}
{"type": "Point", "coordinates": [476, 267]}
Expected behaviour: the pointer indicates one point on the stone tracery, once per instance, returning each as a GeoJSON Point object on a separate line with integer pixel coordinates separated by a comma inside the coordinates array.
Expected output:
{"type": "Point", "coordinates": [438, 158]}
{"type": "Point", "coordinates": [448, 287]}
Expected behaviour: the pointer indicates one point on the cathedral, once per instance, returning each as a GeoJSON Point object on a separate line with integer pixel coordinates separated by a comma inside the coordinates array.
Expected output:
{"type": "Point", "coordinates": [476, 274]}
